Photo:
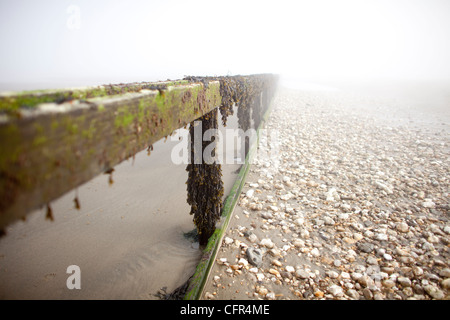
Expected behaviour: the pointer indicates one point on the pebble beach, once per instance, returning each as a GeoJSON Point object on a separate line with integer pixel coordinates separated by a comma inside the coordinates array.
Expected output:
{"type": "Point", "coordinates": [355, 206]}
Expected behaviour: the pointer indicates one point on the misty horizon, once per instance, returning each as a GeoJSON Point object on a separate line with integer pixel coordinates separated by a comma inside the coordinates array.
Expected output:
{"type": "Point", "coordinates": [75, 43]}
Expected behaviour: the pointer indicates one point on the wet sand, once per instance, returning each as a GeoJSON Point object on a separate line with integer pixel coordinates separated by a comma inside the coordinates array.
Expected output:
{"type": "Point", "coordinates": [128, 238]}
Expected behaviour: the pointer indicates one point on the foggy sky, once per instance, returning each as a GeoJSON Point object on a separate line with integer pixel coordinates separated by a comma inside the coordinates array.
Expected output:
{"type": "Point", "coordinates": [46, 44]}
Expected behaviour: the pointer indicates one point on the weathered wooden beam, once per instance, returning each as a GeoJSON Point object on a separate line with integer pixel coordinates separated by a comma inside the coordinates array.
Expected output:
{"type": "Point", "coordinates": [52, 141]}
{"type": "Point", "coordinates": [50, 148]}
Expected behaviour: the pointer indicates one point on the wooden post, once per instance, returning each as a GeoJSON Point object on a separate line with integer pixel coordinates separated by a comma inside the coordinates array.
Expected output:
{"type": "Point", "coordinates": [204, 185]}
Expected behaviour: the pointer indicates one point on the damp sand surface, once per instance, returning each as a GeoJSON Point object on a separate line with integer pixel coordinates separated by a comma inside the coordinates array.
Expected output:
{"type": "Point", "coordinates": [128, 238]}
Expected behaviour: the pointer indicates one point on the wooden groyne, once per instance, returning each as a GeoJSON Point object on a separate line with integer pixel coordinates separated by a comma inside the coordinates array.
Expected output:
{"type": "Point", "coordinates": [53, 141]}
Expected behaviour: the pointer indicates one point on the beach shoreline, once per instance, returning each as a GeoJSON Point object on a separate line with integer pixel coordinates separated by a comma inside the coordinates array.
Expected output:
{"type": "Point", "coordinates": [357, 207]}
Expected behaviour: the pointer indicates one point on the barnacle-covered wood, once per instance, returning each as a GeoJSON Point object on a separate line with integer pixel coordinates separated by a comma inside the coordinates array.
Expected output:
{"type": "Point", "coordinates": [252, 91]}
{"type": "Point", "coordinates": [52, 141]}
{"type": "Point", "coordinates": [204, 184]}
{"type": "Point", "coordinates": [12, 103]}
{"type": "Point", "coordinates": [227, 86]}
{"type": "Point", "coordinates": [49, 149]}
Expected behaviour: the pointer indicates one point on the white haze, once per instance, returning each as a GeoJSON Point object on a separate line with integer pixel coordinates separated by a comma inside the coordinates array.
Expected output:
{"type": "Point", "coordinates": [317, 41]}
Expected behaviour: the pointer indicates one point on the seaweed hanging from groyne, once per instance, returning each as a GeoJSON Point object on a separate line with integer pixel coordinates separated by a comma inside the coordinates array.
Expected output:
{"type": "Point", "coordinates": [204, 185]}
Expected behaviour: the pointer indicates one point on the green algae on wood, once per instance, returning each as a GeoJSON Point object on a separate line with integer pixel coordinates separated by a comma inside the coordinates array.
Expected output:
{"type": "Point", "coordinates": [53, 148]}
{"type": "Point", "coordinates": [11, 103]}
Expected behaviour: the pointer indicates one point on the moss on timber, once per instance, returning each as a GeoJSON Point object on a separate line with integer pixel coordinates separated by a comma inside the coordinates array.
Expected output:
{"type": "Point", "coordinates": [78, 143]}
{"type": "Point", "coordinates": [12, 103]}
